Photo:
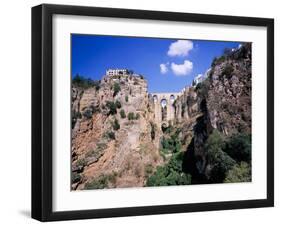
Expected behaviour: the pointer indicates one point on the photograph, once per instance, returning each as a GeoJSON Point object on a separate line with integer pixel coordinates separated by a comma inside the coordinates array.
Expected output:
{"type": "Point", "coordinates": [149, 112]}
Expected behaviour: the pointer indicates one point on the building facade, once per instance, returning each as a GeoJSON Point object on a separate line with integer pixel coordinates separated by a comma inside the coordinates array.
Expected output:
{"type": "Point", "coordinates": [114, 72]}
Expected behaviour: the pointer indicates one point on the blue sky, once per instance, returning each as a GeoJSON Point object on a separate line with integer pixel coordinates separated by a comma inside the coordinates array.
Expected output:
{"type": "Point", "coordinates": [180, 60]}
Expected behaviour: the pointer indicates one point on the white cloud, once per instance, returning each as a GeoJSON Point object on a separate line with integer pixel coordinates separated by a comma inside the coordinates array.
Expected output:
{"type": "Point", "coordinates": [182, 69]}
{"type": "Point", "coordinates": [163, 68]}
{"type": "Point", "coordinates": [180, 48]}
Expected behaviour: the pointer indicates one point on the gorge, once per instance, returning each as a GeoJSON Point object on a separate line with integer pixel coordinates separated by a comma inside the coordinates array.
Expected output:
{"type": "Point", "coordinates": [123, 136]}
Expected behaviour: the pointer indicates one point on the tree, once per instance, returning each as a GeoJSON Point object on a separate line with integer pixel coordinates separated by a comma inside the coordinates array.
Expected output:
{"type": "Point", "coordinates": [131, 116]}
{"type": "Point", "coordinates": [77, 79]}
{"type": "Point", "coordinates": [122, 113]}
{"type": "Point", "coordinates": [221, 164]}
{"type": "Point", "coordinates": [137, 116]}
{"type": "Point", "coordinates": [115, 124]}
{"type": "Point", "coordinates": [111, 106]}
{"type": "Point", "coordinates": [239, 147]}
{"type": "Point", "coordinates": [110, 135]}
{"type": "Point", "coordinates": [203, 88]}
{"type": "Point", "coordinates": [213, 64]}
{"type": "Point", "coordinates": [87, 113]}
{"type": "Point", "coordinates": [85, 83]}
{"type": "Point", "coordinates": [171, 144]}
{"type": "Point", "coordinates": [118, 104]}
{"type": "Point", "coordinates": [116, 88]}
{"type": "Point", "coordinates": [170, 174]}
{"type": "Point", "coordinates": [239, 173]}
{"type": "Point", "coordinates": [75, 177]}
{"type": "Point", "coordinates": [126, 98]}
{"type": "Point", "coordinates": [227, 71]}
{"type": "Point", "coordinates": [219, 161]}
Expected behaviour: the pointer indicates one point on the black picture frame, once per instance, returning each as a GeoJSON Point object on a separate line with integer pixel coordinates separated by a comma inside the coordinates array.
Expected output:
{"type": "Point", "coordinates": [42, 95]}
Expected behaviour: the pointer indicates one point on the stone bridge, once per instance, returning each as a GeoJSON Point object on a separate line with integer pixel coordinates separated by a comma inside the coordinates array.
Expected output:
{"type": "Point", "coordinates": [164, 110]}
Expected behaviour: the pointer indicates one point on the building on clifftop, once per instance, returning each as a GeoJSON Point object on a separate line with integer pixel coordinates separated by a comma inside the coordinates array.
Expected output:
{"type": "Point", "coordinates": [114, 72]}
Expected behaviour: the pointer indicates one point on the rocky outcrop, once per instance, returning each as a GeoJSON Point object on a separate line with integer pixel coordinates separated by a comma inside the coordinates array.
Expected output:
{"type": "Point", "coordinates": [229, 94]}
{"type": "Point", "coordinates": [111, 135]}
{"type": "Point", "coordinates": [223, 102]}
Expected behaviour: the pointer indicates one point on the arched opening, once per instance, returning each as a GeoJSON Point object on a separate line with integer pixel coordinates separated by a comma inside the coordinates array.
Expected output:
{"type": "Point", "coordinates": [172, 98]}
{"type": "Point", "coordinates": [163, 103]}
{"type": "Point", "coordinates": [164, 109]}
{"type": "Point", "coordinates": [155, 98]}
{"type": "Point", "coordinates": [164, 127]}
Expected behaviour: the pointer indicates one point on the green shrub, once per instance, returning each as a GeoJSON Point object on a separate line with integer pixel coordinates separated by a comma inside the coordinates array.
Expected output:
{"type": "Point", "coordinates": [238, 146]}
{"type": "Point", "coordinates": [122, 113]}
{"type": "Point", "coordinates": [81, 162]}
{"type": "Point", "coordinates": [118, 104]}
{"type": "Point", "coordinates": [102, 181]}
{"type": "Point", "coordinates": [218, 60]}
{"type": "Point", "coordinates": [111, 106]}
{"type": "Point", "coordinates": [98, 152]}
{"type": "Point", "coordinates": [215, 142]}
{"type": "Point", "coordinates": [203, 87]}
{"type": "Point", "coordinates": [126, 98]}
{"type": "Point", "coordinates": [171, 144]}
{"type": "Point", "coordinates": [148, 170]}
{"type": "Point", "coordinates": [165, 151]}
{"type": "Point", "coordinates": [170, 174]}
{"type": "Point", "coordinates": [221, 164]}
{"type": "Point", "coordinates": [87, 113]}
{"type": "Point", "coordinates": [75, 177]}
{"type": "Point", "coordinates": [131, 116]}
{"type": "Point", "coordinates": [227, 71]}
{"type": "Point", "coordinates": [110, 135]}
{"type": "Point", "coordinates": [214, 62]}
{"type": "Point", "coordinates": [116, 125]}
{"type": "Point", "coordinates": [137, 116]}
{"type": "Point", "coordinates": [85, 83]}
{"type": "Point", "coordinates": [239, 173]}
{"type": "Point", "coordinates": [99, 183]}
{"type": "Point", "coordinates": [116, 88]}
{"type": "Point", "coordinates": [219, 161]}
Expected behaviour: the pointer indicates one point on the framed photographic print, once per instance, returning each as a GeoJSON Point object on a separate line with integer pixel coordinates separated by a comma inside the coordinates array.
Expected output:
{"type": "Point", "coordinates": [146, 112]}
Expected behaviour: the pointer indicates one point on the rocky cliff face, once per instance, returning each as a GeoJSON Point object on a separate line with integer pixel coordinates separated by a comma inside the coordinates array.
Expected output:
{"type": "Point", "coordinates": [222, 102]}
{"type": "Point", "coordinates": [112, 145]}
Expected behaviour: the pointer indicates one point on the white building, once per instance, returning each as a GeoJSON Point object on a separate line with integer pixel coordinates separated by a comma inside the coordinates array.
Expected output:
{"type": "Point", "coordinates": [113, 72]}
{"type": "Point", "coordinates": [201, 77]}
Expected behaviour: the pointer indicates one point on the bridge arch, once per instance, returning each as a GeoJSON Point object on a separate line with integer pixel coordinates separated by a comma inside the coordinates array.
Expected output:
{"type": "Point", "coordinates": [155, 98]}
{"type": "Point", "coordinates": [172, 98]}
{"type": "Point", "coordinates": [164, 110]}
{"type": "Point", "coordinates": [164, 126]}
{"type": "Point", "coordinates": [163, 102]}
